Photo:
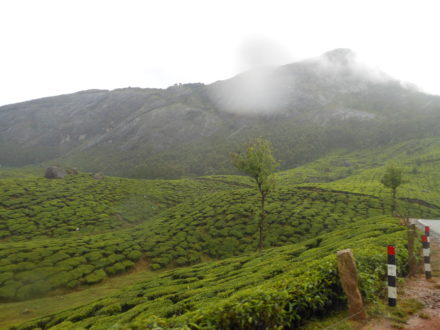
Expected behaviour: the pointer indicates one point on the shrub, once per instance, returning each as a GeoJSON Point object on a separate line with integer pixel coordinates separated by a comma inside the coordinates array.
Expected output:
{"type": "Point", "coordinates": [116, 268]}
{"type": "Point", "coordinates": [110, 309]}
{"type": "Point", "coordinates": [95, 277]}
{"type": "Point", "coordinates": [134, 255]}
{"type": "Point", "coordinates": [6, 277]}
{"type": "Point", "coordinates": [8, 289]}
{"type": "Point", "coordinates": [82, 270]}
{"type": "Point", "coordinates": [128, 264]}
{"type": "Point", "coordinates": [60, 279]}
{"type": "Point", "coordinates": [93, 256]}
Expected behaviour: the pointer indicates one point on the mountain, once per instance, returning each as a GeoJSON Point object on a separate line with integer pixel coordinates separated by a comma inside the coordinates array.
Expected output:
{"type": "Point", "coordinates": [307, 109]}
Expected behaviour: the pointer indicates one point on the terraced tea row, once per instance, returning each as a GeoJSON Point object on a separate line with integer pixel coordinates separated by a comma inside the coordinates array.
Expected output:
{"type": "Point", "coordinates": [280, 286]}
{"type": "Point", "coordinates": [420, 183]}
{"type": "Point", "coordinates": [362, 171]}
{"type": "Point", "coordinates": [224, 224]}
{"type": "Point", "coordinates": [216, 226]}
{"type": "Point", "coordinates": [33, 208]}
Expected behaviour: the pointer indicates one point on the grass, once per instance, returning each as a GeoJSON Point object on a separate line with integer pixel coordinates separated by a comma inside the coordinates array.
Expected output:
{"type": "Point", "coordinates": [337, 320]}
{"type": "Point", "coordinates": [18, 312]}
{"type": "Point", "coordinates": [397, 316]}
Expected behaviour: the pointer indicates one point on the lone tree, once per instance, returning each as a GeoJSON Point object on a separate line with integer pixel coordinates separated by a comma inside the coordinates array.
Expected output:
{"type": "Point", "coordinates": [392, 179]}
{"type": "Point", "coordinates": [258, 162]}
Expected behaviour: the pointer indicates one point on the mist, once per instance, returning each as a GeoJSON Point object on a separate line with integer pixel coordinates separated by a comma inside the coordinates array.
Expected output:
{"type": "Point", "coordinates": [259, 51]}
{"type": "Point", "coordinates": [344, 62]}
{"type": "Point", "coordinates": [274, 84]}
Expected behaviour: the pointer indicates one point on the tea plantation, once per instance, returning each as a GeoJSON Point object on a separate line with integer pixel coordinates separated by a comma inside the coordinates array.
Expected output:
{"type": "Point", "coordinates": [69, 234]}
{"type": "Point", "coordinates": [34, 208]}
{"type": "Point", "coordinates": [361, 171]}
{"type": "Point", "coordinates": [281, 286]}
{"type": "Point", "coordinates": [223, 224]}
{"type": "Point", "coordinates": [216, 226]}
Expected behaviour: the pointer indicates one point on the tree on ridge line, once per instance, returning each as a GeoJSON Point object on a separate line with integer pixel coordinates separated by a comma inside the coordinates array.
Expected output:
{"type": "Point", "coordinates": [392, 179]}
{"type": "Point", "coordinates": [258, 162]}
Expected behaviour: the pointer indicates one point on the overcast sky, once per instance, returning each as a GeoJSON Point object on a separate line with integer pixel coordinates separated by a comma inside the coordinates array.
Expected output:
{"type": "Point", "coordinates": [51, 47]}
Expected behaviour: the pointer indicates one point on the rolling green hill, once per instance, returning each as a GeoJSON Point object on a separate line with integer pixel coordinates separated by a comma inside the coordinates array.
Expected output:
{"type": "Point", "coordinates": [360, 171]}
{"type": "Point", "coordinates": [211, 227]}
{"type": "Point", "coordinates": [207, 223]}
{"type": "Point", "coordinates": [281, 286]}
{"type": "Point", "coordinates": [34, 208]}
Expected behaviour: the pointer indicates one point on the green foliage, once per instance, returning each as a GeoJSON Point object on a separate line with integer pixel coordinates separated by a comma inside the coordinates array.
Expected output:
{"type": "Point", "coordinates": [95, 277]}
{"type": "Point", "coordinates": [35, 208]}
{"type": "Point", "coordinates": [259, 163]}
{"type": "Point", "coordinates": [182, 222]}
{"type": "Point", "coordinates": [218, 225]}
{"type": "Point", "coordinates": [392, 178]}
{"type": "Point", "coordinates": [281, 286]}
{"type": "Point", "coordinates": [134, 255]}
{"type": "Point", "coordinates": [296, 140]}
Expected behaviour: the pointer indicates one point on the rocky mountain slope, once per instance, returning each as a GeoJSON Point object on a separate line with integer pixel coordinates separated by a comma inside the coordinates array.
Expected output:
{"type": "Point", "coordinates": [307, 109]}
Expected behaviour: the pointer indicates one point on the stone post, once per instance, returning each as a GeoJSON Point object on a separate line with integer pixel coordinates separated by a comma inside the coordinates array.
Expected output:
{"type": "Point", "coordinates": [348, 276]}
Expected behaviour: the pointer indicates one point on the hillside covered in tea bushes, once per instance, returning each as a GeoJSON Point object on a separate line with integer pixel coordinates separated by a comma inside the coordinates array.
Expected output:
{"type": "Point", "coordinates": [281, 286]}
{"type": "Point", "coordinates": [216, 226]}
{"type": "Point", "coordinates": [62, 235]}
{"type": "Point", "coordinates": [361, 171]}
{"type": "Point", "coordinates": [33, 208]}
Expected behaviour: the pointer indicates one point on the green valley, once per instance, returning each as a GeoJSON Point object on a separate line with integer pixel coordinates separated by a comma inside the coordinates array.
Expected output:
{"type": "Point", "coordinates": [281, 286]}
{"type": "Point", "coordinates": [219, 165]}
{"type": "Point", "coordinates": [203, 232]}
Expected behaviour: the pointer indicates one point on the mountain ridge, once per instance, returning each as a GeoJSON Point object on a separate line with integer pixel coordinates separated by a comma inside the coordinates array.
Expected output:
{"type": "Point", "coordinates": [171, 132]}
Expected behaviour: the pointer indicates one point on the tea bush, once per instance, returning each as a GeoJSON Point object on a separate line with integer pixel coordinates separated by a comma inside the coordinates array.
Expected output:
{"type": "Point", "coordinates": [280, 287]}
{"type": "Point", "coordinates": [216, 226]}
{"type": "Point", "coordinates": [362, 170]}
{"type": "Point", "coordinates": [35, 208]}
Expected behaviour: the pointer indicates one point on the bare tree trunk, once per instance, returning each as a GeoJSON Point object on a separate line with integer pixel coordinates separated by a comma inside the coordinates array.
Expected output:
{"type": "Point", "coordinates": [393, 202]}
{"type": "Point", "coordinates": [261, 224]}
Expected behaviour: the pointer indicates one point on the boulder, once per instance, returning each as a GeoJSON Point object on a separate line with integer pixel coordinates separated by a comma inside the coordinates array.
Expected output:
{"type": "Point", "coordinates": [98, 176]}
{"type": "Point", "coordinates": [55, 172]}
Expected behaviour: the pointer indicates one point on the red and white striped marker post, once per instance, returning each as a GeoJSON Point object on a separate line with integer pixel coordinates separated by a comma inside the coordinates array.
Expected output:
{"type": "Point", "coordinates": [427, 230]}
{"type": "Point", "coordinates": [392, 274]}
{"type": "Point", "coordinates": [426, 256]}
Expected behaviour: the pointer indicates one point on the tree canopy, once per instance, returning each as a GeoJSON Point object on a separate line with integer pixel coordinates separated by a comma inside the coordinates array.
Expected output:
{"type": "Point", "coordinates": [258, 162]}
{"type": "Point", "coordinates": [392, 179]}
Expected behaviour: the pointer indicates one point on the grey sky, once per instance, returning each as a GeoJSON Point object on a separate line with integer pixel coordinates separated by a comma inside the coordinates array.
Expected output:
{"type": "Point", "coordinates": [51, 47]}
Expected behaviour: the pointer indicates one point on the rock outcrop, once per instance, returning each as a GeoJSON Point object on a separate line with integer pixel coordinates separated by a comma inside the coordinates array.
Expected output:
{"type": "Point", "coordinates": [55, 172]}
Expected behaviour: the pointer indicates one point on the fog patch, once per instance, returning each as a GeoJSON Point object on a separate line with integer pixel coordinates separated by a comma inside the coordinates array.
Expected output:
{"type": "Point", "coordinates": [254, 92]}
{"type": "Point", "coordinates": [306, 84]}
{"type": "Point", "coordinates": [257, 51]}
{"type": "Point", "coordinates": [260, 89]}
{"type": "Point", "coordinates": [343, 63]}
